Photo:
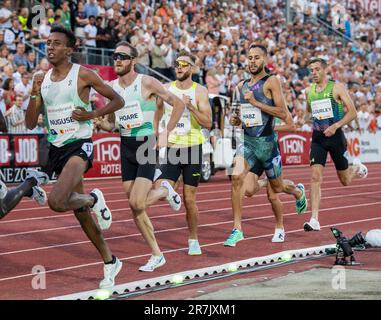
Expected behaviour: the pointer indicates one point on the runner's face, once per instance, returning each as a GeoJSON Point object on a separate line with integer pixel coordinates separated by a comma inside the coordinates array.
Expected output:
{"type": "Point", "coordinates": [123, 61]}
{"type": "Point", "coordinates": [257, 61]}
{"type": "Point", "coordinates": [317, 72]}
{"type": "Point", "coordinates": [57, 48]}
{"type": "Point", "coordinates": [183, 68]}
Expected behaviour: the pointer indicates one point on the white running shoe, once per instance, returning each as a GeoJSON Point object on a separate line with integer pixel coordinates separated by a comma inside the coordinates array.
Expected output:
{"type": "Point", "coordinates": [3, 190]}
{"type": "Point", "coordinates": [279, 235]}
{"type": "Point", "coordinates": [173, 197]}
{"type": "Point", "coordinates": [313, 225]}
{"type": "Point", "coordinates": [362, 170]}
{"type": "Point", "coordinates": [110, 272]}
{"type": "Point", "coordinates": [194, 247]}
{"type": "Point", "coordinates": [101, 210]}
{"type": "Point", "coordinates": [41, 177]}
{"type": "Point", "coordinates": [153, 263]}
{"type": "Point", "coordinates": [39, 195]}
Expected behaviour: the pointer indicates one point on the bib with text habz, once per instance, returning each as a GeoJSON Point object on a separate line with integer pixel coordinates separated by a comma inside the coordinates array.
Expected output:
{"type": "Point", "coordinates": [250, 115]}
{"type": "Point", "coordinates": [322, 109]}
{"type": "Point", "coordinates": [60, 120]}
{"type": "Point", "coordinates": [130, 116]}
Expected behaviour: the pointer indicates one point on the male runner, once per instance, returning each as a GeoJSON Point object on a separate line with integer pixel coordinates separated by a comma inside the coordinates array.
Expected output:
{"type": "Point", "coordinates": [184, 155]}
{"type": "Point", "coordinates": [261, 100]}
{"type": "Point", "coordinates": [64, 94]}
{"type": "Point", "coordinates": [9, 199]}
{"type": "Point", "coordinates": [138, 154]}
{"type": "Point", "coordinates": [250, 188]}
{"type": "Point", "coordinates": [331, 108]}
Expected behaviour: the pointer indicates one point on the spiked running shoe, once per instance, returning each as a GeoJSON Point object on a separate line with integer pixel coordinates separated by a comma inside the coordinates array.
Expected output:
{"type": "Point", "coordinates": [235, 236]}
{"type": "Point", "coordinates": [301, 204]}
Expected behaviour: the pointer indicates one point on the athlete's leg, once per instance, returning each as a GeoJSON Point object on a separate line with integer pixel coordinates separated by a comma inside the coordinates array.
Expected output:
{"type": "Point", "coordinates": [191, 210]}
{"type": "Point", "coordinates": [137, 201]}
{"type": "Point", "coordinates": [89, 226]}
{"type": "Point", "coordinates": [15, 195]}
{"type": "Point", "coordinates": [277, 207]}
{"type": "Point", "coordinates": [158, 192]}
{"type": "Point", "coordinates": [62, 198]}
{"type": "Point", "coordinates": [315, 194]}
{"type": "Point", "coordinates": [240, 170]}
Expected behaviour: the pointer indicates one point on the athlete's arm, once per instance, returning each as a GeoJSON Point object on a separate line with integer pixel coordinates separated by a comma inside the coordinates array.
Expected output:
{"type": "Point", "coordinates": [279, 110]}
{"type": "Point", "coordinates": [115, 103]}
{"type": "Point", "coordinates": [35, 102]}
{"type": "Point", "coordinates": [288, 125]}
{"type": "Point", "coordinates": [340, 93]}
{"type": "Point", "coordinates": [203, 114]}
{"type": "Point", "coordinates": [155, 87]}
{"type": "Point", "coordinates": [158, 115]}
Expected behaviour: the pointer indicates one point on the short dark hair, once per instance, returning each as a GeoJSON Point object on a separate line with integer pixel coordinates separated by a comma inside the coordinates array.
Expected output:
{"type": "Point", "coordinates": [184, 53]}
{"type": "Point", "coordinates": [314, 60]}
{"type": "Point", "coordinates": [71, 39]}
{"type": "Point", "coordinates": [263, 48]}
{"type": "Point", "coordinates": [134, 51]}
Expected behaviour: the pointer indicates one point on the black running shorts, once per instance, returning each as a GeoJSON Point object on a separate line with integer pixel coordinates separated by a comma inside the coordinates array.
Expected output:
{"type": "Point", "coordinates": [138, 157]}
{"type": "Point", "coordinates": [185, 161]}
{"type": "Point", "coordinates": [59, 156]}
{"type": "Point", "coordinates": [335, 145]}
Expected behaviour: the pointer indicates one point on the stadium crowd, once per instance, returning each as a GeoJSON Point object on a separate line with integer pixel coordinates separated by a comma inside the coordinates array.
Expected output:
{"type": "Point", "coordinates": [218, 33]}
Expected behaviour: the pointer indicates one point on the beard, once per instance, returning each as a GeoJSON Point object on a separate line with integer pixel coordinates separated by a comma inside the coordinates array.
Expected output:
{"type": "Point", "coordinates": [184, 76]}
{"type": "Point", "coordinates": [125, 70]}
{"type": "Point", "coordinates": [258, 71]}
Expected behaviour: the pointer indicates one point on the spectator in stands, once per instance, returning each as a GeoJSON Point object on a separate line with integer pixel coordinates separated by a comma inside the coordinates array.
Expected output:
{"type": "Point", "coordinates": [23, 18]}
{"type": "Point", "coordinates": [158, 55]}
{"type": "Point", "coordinates": [212, 83]}
{"type": "Point", "coordinates": [40, 128]}
{"type": "Point", "coordinates": [31, 61]}
{"type": "Point", "coordinates": [6, 15]}
{"type": "Point", "coordinates": [24, 87]}
{"type": "Point", "coordinates": [16, 116]}
{"type": "Point", "coordinates": [363, 116]}
{"type": "Point", "coordinates": [14, 35]}
{"type": "Point", "coordinates": [91, 9]}
{"type": "Point", "coordinates": [9, 93]}
{"type": "Point", "coordinates": [90, 42]}
{"type": "Point", "coordinates": [66, 15]}
{"type": "Point", "coordinates": [20, 56]}
{"type": "Point", "coordinates": [3, 123]}
{"type": "Point", "coordinates": [80, 20]}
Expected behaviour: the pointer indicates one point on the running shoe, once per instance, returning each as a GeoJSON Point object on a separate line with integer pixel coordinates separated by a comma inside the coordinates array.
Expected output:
{"type": "Point", "coordinates": [101, 210]}
{"type": "Point", "coordinates": [41, 177]}
{"type": "Point", "coordinates": [361, 170]}
{"type": "Point", "coordinates": [302, 203]}
{"type": "Point", "coordinates": [153, 263]}
{"type": "Point", "coordinates": [3, 190]}
{"type": "Point", "coordinates": [173, 197]}
{"type": "Point", "coordinates": [110, 272]}
{"type": "Point", "coordinates": [39, 195]}
{"type": "Point", "coordinates": [194, 248]}
{"type": "Point", "coordinates": [279, 235]}
{"type": "Point", "coordinates": [312, 225]}
{"type": "Point", "coordinates": [235, 236]}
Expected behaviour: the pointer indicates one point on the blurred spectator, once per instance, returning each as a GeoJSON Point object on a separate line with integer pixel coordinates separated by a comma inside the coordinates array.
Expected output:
{"type": "Point", "coordinates": [20, 56]}
{"type": "Point", "coordinates": [65, 15]}
{"type": "Point", "coordinates": [6, 15]}
{"type": "Point", "coordinates": [15, 117]}
{"type": "Point", "coordinates": [40, 128]}
{"type": "Point", "coordinates": [23, 18]}
{"type": "Point", "coordinates": [91, 8]}
{"type": "Point", "coordinates": [363, 116]}
{"type": "Point", "coordinates": [31, 61]}
{"type": "Point", "coordinates": [3, 123]}
{"type": "Point", "coordinates": [80, 20]}
{"type": "Point", "coordinates": [90, 36]}
{"type": "Point", "coordinates": [212, 82]}
{"type": "Point", "coordinates": [24, 88]}
{"type": "Point", "coordinates": [9, 93]}
{"type": "Point", "coordinates": [14, 35]}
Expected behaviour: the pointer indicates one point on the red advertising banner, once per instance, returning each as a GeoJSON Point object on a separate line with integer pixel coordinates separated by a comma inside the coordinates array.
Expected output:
{"type": "Point", "coordinates": [295, 147]}
{"type": "Point", "coordinates": [106, 156]}
{"type": "Point", "coordinates": [4, 151]}
{"type": "Point", "coordinates": [26, 150]}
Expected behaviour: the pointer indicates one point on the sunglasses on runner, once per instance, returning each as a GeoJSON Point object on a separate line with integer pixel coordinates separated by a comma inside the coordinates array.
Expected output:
{"type": "Point", "coordinates": [182, 64]}
{"type": "Point", "coordinates": [121, 56]}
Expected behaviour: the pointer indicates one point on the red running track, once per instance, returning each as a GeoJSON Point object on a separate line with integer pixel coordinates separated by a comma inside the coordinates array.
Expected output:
{"type": "Point", "coordinates": [33, 236]}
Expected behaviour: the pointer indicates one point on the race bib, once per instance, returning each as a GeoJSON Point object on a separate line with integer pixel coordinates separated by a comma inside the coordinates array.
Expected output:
{"type": "Point", "coordinates": [250, 115]}
{"type": "Point", "coordinates": [130, 116]}
{"type": "Point", "coordinates": [183, 126]}
{"type": "Point", "coordinates": [60, 120]}
{"type": "Point", "coordinates": [322, 109]}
